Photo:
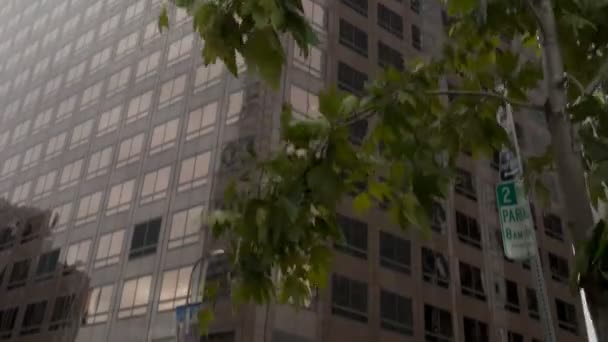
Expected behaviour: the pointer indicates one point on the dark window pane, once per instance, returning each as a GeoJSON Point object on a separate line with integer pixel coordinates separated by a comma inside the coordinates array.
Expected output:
{"type": "Point", "coordinates": [7, 238]}
{"type": "Point", "coordinates": [396, 313]}
{"type": "Point", "coordinates": [415, 5]}
{"type": "Point", "coordinates": [8, 317]}
{"type": "Point", "coordinates": [435, 268]}
{"type": "Point", "coordinates": [559, 268]}
{"type": "Point", "coordinates": [30, 232]}
{"type": "Point", "coordinates": [19, 274]}
{"type": "Point", "coordinates": [465, 185]}
{"type": "Point", "coordinates": [468, 230]}
{"type": "Point", "coordinates": [145, 238]}
{"type": "Point", "coordinates": [349, 298]}
{"type": "Point", "coordinates": [227, 336]}
{"type": "Point", "coordinates": [437, 324]}
{"type": "Point", "coordinates": [139, 236]}
{"type": "Point", "coordinates": [532, 303]}
{"type": "Point", "coordinates": [61, 312]}
{"type": "Point", "coordinates": [153, 232]}
{"type": "Point", "coordinates": [390, 21]}
{"type": "Point", "coordinates": [514, 337]}
{"type": "Point", "coordinates": [353, 37]}
{"type": "Point", "coordinates": [32, 320]}
{"type": "Point", "coordinates": [553, 227]}
{"type": "Point", "coordinates": [475, 331]}
{"type": "Point", "coordinates": [389, 57]}
{"type": "Point", "coordinates": [47, 264]}
{"type": "Point", "coordinates": [351, 80]}
{"type": "Point", "coordinates": [355, 237]}
{"type": "Point", "coordinates": [360, 6]}
{"type": "Point", "coordinates": [566, 316]}
{"type": "Point", "coordinates": [416, 37]}
{"type": "Point", "coordinates": [394, 252]}
{"type": "Point", "coordinates": [512, 303]}
{"type": "Point", "coordinates": [471, 281]}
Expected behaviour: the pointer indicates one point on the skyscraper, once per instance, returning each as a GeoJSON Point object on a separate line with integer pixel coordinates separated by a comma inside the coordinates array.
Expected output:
{"type": "Point", "coordinates": [124, 134]}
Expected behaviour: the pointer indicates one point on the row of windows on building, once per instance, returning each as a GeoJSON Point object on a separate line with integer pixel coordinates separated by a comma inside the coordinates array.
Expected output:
{"type": "Point", "coordinates": [88, 14]}
{"type": "Point", "coordinates": [155, 185]}
{"type": "Point", "coordinates": [139, 106]}
{"type": "Point", "coordinates": [163, 137]}
{"type": "Point", "coordinates": [177, 51]}
{"type": "Point", "coordinates": [60, 317]}
{"type": "Point", "coordinates": [170, 91]}
{"type": "Point", "coordinates": [467, 229]}
{"type": "Point", "coordinates": [136, 294]}
{"type": "Point", "coordinates": [362, 7]}
{"type": "Point", "coordinates": [350, 300]}
{"type": "Point", "coordinates": [28, 17]}
{"type": "Point", "coordinates": [108, 249]}
{"type": "Point", "coordinates": [356, 39]}
{"type": "Point", "coordinates": [115, 83]}
{"type": "Point", "coordinates": [133, 300]}
{"type": "Point", "coordinates": [395, 254]}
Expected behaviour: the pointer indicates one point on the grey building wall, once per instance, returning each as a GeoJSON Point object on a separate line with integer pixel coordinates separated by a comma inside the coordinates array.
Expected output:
{"type": "Point", "coordinates": [40, 298]}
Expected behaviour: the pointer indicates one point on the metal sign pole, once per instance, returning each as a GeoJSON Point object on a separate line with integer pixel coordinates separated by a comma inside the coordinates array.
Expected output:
{"type": "Point", "coordinates": [536, 266]}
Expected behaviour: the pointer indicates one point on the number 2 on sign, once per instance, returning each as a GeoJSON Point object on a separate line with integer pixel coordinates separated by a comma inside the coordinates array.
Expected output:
{"type": "Point", "coordinates": [506, 194]}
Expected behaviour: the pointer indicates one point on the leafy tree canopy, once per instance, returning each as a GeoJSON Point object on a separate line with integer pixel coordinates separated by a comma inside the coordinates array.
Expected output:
{"type": "Point", "coordinates": [280, 217]}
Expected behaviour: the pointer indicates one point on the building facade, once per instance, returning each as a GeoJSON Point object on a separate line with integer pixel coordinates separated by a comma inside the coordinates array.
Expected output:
{"type": "Point", "coordinates": [40, 298]}
{"type": "Point", "coordinates": [124, 134]}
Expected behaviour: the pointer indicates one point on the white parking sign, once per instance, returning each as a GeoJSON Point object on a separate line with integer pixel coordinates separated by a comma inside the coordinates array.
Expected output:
{"type": "Point", "coordinates": [519, 239]}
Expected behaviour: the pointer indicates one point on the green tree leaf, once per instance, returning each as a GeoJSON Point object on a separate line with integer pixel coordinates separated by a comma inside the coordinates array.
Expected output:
{"type": "Point", "coordinates": [263, 52]}
{"type": "Point", "coordinates": [163, 19]}
{"type": "Point", "coordinates": [362, 203]}
{"type": "Point", "coordinates": [460, 7]}
{"type": "Point", "coordinates": [320, 261]}
{"type": "Point", "coordinates": [205, 317]}
{"type": "Point", "coordinates": [325, 185]}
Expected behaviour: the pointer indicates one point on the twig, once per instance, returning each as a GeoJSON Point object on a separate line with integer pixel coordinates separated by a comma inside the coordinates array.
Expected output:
{"type": "Point", "coordinates": [368, 112]}
{"type": "Point", "coordinates": [595, 82]}
{"type": "Point", "coordinates": [534, 11]}
{"type": "Point", "coordinates": [486, 94]}
{"type": "Point", "coordinates": [365, 114]}
{"type": "Point", "coordinates": [577, 83]}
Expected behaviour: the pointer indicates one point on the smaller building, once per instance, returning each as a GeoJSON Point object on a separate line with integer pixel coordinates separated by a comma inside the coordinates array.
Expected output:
{"type": "Point", "coordinates": [40, 299]}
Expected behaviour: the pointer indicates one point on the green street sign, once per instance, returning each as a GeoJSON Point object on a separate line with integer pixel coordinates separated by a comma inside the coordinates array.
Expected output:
{"type": "Point", "coordinates": [506, 193]}
{"type": "Point", "coordinates": [518, 237]}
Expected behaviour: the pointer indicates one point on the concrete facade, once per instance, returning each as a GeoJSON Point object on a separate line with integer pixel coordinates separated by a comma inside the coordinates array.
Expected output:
{"type": "Point", "coordinates": [40, 298]}
{"type": "Point", "coordinates": [114, 126]}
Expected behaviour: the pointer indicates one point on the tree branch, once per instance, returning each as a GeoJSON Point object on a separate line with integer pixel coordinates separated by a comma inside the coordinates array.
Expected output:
{"type": "Point", "coordinates": [486, 94]}
{"type": "Point", "coordinates": [577, 83]}
{"type": "Point", "coordinates": [534, 11]}
{"type": "Point", "coordinates": [362, 115]}
{"type": "Point", "coordinates": [595, 82]}
{"type": "Point", "coordinates": [367, 113]}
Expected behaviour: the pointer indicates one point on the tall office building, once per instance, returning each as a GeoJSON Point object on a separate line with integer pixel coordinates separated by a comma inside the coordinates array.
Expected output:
{"type": "Point", "coordinates": [124, 134]}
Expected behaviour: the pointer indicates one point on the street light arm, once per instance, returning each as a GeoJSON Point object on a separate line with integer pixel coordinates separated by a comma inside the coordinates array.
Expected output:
{"type": "Point", "coordinates": [190, 279]}
{"type": "Point", "coordinates": [204, 259]}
